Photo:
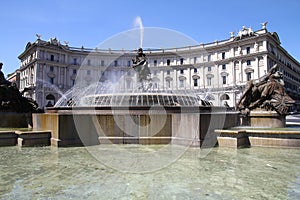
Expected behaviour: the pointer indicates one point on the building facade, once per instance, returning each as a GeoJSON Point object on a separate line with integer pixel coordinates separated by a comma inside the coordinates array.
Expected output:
{"type": "Point", "coordinates": [217, 71]}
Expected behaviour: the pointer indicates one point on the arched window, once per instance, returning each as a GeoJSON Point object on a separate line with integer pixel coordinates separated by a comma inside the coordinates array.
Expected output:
{"type": "Point", "coordinates": [168, 62]}
{"type": "Point", "coordinates": [224, 97]}
{"type": "Point", "coordinates": [50, 100]}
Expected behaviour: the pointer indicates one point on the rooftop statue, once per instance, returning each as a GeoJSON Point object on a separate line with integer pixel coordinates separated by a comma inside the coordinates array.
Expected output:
{"type": "Point", "coordinates": [12, 100]}
{"type": "Point", "coordinates": [140, 65]}
{"type": "Point", "coordinates": [245, 32]}
{"type": "Point", "coordinates": [267, 94]}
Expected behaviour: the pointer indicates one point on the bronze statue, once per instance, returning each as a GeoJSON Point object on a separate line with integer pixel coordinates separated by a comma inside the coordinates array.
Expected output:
{"type": "Point", "coordinates": [3, 80]}
{"type": "Point", "coordinates": [268, 94]}
{"type": "Point", "coordinates": [12, 100]}
{"type": "Point", "coordinates": [140, 65]}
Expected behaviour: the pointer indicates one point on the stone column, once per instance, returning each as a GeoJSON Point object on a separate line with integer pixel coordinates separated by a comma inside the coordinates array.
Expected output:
{"type": "Point", "coordinates": [242, 72]}
{"type": "Point", "coordinates": [233, 73]}
{"type": "Point", "coordinates": [257, 66]}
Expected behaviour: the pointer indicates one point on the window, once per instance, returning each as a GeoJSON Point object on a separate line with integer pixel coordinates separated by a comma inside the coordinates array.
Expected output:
{"type": "Point", "coordinates": [224, 79]}
{"type": "Point", "coordinates": [223, 55]}
{"type": "Point", "coordinates": [209, 81]}
{"type": "Point", "coordinates": [155, 72]}
{"type": "Point", "coordinates": [209, 69]}
{"type": "Point", "coordinates": [102, 62]}
{"type": "Point", "coordinates": [75, 61]}
{"type": "Point", "coordinates": [168, 82]}
{"type": "Point", "coordinates": [195, 70]}
{"type": "Point", "coordinates": [50, 100]}
{"type": "Point", "coordinates": [73, 82]}
{"type": "Point", "coordinates": [51, 68]}
{"type": "Point", "coordinates": [51, 80]}
{"type": "Point", "coordinates": [155, 85]}
{"type": "Point", "coordinates": [168, 72]}
{"type": "Point", "coordinates": [209, 58]}
{"type": "Point", "coordinates": [155, 62]}
{"type": "Point", "coordinates": [248, 50]}
{"type": "Point", "coordinates": [52, 57]}
{"type": "Point", "coordinates": [195, 82]}
{"type": "Point", "coordinates": [182, 71]}
{"type": "Point", "coordinates": [248, 62]}
{"type": "Point", "coordinates": [249, 76]}
{"type": "Point", "coordinates": [116, 63]}
{"type": "Point", "coordinates": [181, 83]}
{"type": "Point", "coordinates": [128, 84]}
{"type": "Point", "coordinates": [181, 61]}
{"type": "Point", "coordinates": [224, 66]}
{"type": "Point", "coordinates": [128, 63]}
{"type": "Point", "coordinates": [168, 62]}
{"type": "Point", "coordinates": [74, 71]}
{"type": "Point", "coordinates": [195, 60]}
{"type": "Point", "coordinates": [89, 62]}
{"type": "Point", "coordinates": [88, 72]}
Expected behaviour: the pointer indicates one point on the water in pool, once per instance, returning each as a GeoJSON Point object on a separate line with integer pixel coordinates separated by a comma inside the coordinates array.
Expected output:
{"type": "Point", "coordinates": [76, 173]}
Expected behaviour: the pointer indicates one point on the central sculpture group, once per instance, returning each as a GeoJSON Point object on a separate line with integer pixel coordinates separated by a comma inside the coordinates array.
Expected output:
{"type": "Point", "coordinates": [140, 65]}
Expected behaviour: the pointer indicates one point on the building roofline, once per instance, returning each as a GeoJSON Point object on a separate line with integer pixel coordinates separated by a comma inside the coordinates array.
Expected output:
{"type": "Point", "coordinates": [203, 46]}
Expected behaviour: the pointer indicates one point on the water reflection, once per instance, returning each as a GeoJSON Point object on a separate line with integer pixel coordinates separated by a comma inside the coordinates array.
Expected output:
{"type": "Point", "coordinates": [72, 173]}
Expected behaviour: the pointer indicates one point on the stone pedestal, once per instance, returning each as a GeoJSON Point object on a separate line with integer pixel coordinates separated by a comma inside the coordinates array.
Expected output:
{"type": "Point", "coordinates": [267, 119]}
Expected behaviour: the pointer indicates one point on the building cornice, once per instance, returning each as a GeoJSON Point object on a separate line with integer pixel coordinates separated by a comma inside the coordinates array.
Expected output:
{"type": "Point", "coordinates": [54, 44]}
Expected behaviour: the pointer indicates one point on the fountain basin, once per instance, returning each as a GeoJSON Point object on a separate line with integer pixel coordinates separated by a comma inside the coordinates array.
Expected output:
{"type": "Point", "coordinates": [190, 125]}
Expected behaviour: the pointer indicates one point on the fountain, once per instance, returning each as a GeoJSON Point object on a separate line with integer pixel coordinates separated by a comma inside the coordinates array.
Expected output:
{"type": "Point", "coordinates": [104, 111]}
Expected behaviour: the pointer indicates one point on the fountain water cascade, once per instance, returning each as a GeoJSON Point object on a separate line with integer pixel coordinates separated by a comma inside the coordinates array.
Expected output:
{"type": "Point", "coordinates": [104, 94]}
{"type": "Point", "coordinates": [138, 22]}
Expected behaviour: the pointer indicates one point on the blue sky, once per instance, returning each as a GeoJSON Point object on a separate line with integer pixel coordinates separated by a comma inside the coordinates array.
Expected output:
{"type": "Point", "coordinates": [88, 23]}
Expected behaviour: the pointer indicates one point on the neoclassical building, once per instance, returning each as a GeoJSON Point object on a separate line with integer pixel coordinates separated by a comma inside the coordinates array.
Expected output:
{"type": "Point", "coordinates": [216, 71]}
